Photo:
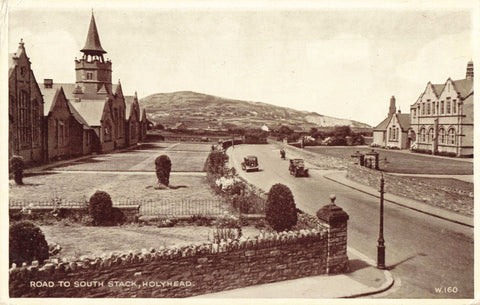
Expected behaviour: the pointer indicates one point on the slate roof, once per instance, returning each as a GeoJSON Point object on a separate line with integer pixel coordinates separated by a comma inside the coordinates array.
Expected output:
{"type": "Point", "coordinates": [383, 125]}
{"type": "Point", "coordinates": [464, 86]}
{"type": "Point", "coordinates": [90, 110]}
{"type": "Point", "coordinates": [92, 44]}
{"type": "Point", "coordinates": [49, 95]}
{"type": "Point", "coordinates": [128, 105]}
{"type": "Point", "coordinates": [77, 116]}
{"type": "Point", "coordinates": [404, 120]}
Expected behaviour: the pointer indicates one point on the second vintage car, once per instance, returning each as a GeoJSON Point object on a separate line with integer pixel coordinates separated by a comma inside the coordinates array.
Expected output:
{"type": "Point", "coordinates": [250, 164]}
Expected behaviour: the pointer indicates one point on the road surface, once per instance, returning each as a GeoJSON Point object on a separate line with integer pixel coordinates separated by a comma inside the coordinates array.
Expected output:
{"type": "Point", "coordinates": [429, 257]}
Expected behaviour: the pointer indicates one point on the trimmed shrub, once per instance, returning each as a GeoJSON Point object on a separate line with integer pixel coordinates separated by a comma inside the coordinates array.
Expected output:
{"type": "Point", "coordinates": [163, 166]}
{"type": "Point", "coordinates": [216, 162]}
{"type": "Point", "coordinates": [280, 211]}
{"type": "Point", "coordinates": [27, 243]}
{"type": "Point", "coordinates": [17, 165]}
{"type": "Point", "coordinates": [100, 208]}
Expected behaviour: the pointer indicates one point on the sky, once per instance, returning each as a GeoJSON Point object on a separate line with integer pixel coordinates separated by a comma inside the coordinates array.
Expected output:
{"type": "Point", "coordinates": [344, 61]}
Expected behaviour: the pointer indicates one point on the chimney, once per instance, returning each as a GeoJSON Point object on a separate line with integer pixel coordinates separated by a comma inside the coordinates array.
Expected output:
{"type": "Point", "coordinates": [392, 108]}
{"type": "Point", "coordinates": [48, 83]}
{"type": "Point", "coordinates": [469, 73]}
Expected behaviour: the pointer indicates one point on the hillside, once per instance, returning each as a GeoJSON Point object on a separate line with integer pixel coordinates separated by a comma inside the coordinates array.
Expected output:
{"type": "Point", "coordinates": [198, 110]}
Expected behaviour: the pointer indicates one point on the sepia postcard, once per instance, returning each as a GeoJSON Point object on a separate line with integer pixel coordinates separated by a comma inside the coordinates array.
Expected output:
{"type": "Point", "coordinates": [255, 151]}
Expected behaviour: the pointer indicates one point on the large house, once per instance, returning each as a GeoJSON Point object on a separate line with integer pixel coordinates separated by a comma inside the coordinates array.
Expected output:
{"type": "Point", "coordinates": [392, 132]}
{"type": "Point", "coordinates": [53, 121]}
{"type": "Point", "coordinates": [442, 117]}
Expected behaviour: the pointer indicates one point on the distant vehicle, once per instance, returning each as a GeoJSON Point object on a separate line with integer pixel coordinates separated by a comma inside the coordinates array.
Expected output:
{"type": "Point", "coordinates": [297, 168]}
{"type": "Point", "coordinates": [250, 163]}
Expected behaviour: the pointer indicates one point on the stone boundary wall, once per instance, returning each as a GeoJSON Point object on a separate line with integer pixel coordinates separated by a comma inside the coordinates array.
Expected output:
{"type": "Point", "coordinates": [187, 271]}
{"type": "Point", "coordinates": [322, 161]}
{"type": "Point", "coordinates": [444, 197]}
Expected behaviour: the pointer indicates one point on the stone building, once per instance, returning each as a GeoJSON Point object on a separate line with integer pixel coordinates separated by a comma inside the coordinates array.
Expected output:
{"type": "Point", "coordinates": [442, 117]}
{"type": "Point", "coordinates": [392, 132]}
{"type": "Point", "coordinates": [67, 133]}
{"type": "Point", "coordinates": [25, 111]}
{"type": "Point", "coordinates": [133, 124]}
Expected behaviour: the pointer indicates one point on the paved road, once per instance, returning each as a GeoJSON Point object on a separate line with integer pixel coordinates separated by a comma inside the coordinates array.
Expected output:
{"type": "Point", "coordinates": [423, 253]}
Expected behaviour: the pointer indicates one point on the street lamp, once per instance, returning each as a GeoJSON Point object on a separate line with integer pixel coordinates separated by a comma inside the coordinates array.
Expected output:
{"type": "Point", "coordinates": [381, 241]}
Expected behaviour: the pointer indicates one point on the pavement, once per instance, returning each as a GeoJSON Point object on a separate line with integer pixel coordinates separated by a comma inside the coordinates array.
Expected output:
{"type": "Point", "coordinates": [341, 177]}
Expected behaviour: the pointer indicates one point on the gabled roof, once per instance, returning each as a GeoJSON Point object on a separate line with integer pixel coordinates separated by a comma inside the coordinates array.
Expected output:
{"type": "Point", "coordinates": [77, 116]}
{"type": "Point", "coordinates": [67, 88]}
{"type": "Point", "coordinates": [92, 44]}
{"type": "Point", "coordinates": [129, 101]}
{"type": "Point", "coordinates": [463, 86]}
{"type": "Point", "coordinates": [49, 96]}
{"type": "Point", "coordinates": [404, 120]}
{"type": "Point", "coordinates": [90, 110]}
{"type": "Point", "coordinates": [383, 125]}
{"type": "Point", "coordinates": [437, 89]}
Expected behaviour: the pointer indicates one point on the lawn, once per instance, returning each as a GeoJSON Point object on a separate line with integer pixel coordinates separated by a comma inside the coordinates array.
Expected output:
{"type": "Point", "coordinates": [403, 162]}
{"type": "Point", "coordinates": [185, 157]}
{"type": "Point", "coordinates": [122, 187]}
{"type": "Point", "coordinates": [77, 240]}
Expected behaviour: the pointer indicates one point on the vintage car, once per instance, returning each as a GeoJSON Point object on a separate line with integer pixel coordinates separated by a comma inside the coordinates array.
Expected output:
{"type": "Point", "coordinates": [250, 163]}
{"type": "Point", "coordinates": [297, 168]}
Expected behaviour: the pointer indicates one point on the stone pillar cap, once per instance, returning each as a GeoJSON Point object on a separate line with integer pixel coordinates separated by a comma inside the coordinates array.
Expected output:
{"type": "Point", "coordinates": [332, 213]}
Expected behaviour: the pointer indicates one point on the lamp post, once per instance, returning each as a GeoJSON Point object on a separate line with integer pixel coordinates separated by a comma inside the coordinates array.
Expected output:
{"type": "Point", "coordinates": [381, 241]}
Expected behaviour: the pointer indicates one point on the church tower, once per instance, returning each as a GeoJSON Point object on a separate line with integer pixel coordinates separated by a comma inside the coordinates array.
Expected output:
{"type": "Point", "coordinates": [93, 73]}
{"type": "Point", "coordinates": [469, 73]}
{"type": "Point", "coordinates": [392, 108]}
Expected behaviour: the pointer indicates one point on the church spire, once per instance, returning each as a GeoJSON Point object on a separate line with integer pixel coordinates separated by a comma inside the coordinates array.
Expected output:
{"type": "Point", "coordinates": [92, 44]}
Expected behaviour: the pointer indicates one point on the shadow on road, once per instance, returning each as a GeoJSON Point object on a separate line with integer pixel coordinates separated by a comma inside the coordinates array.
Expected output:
{"type": "Point", "coordinates": [391, 267]}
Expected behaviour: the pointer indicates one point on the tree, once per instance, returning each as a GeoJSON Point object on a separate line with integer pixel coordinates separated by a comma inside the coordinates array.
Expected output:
{"type": "Point", "coordinates": [100, 208]}
{"type": "Point", "coordinates": [281, 212]}
{"type": "Point", "coordinates": [163, 166]}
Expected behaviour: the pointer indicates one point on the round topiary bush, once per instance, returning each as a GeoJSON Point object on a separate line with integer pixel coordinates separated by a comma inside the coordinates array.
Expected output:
{"type": "Point", "coordinates": [163, 166]}
{"type": "Point", "coordinates": [280, 210]}
{"type": "Point", "coordinates": [17, 165]}
{"type": "Point", "coordinates": [26, 243]}
{"type": "Point", "coordinates": [100, 207]}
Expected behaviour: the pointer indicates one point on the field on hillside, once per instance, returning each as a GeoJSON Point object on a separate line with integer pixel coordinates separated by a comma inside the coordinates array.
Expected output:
{"type": "Point", "coordinates": [403, 161]}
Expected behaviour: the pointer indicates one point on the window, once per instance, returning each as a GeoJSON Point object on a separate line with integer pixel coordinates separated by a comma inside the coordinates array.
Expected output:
{"type": "Point", "coordinates": [441, 135]}
{"type": "Point", "coordinates": [414, 112]}
{"type": "Point", "coordinates": [430, 136]}
{"type": "Point", "coordinates": [454, 106]}
{"type": "Point", "coordinates": [423, 108]}
{"type": "Point", "coordinates": [25, 122]}
{"type": "Point", "coordinates": [451, 136]}
{"type": "Point", "coordinates": [433, 107]}
{"type": "Point", "coordinates": [428, 108]}
{"type": "Point", "coordinates": [448, 87]}
{"type": "Point", "coordinates": [422, 135]}
{"type": "Point", "coordinates": [107, 132]}
{"type": "Point", "coordinates": [89, 75]}
{"type": "Point", "coordinates": [442, 107]}
{"type": "Point", "coordinates": [55, 127]}
{"type": "Point", "coordinates": [448, 105]}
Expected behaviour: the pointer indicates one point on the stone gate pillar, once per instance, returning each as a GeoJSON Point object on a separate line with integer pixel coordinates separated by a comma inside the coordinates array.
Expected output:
{"type": "Point", "coordinates": [334, 219]}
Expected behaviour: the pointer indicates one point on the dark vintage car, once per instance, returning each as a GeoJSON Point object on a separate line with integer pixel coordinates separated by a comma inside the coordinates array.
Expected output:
{"type": "Point", "coordinates": [250, 163]}
{"type": "Point", "coordinates": [297, 168]}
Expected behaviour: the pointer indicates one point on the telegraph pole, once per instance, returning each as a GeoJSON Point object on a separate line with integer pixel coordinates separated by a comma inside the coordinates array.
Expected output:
{"type": "Point", "coordinates": [381, 241]}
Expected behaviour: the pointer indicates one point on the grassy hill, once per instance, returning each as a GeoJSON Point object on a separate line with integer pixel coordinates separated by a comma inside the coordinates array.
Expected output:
{"type": "Point", "coordinates": [198, 110]}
